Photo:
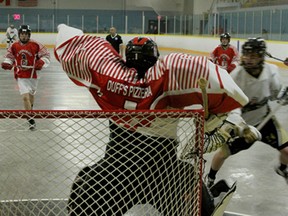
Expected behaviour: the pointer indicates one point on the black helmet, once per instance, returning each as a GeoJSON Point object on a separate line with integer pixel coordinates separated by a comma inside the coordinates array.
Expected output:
{"type": "Point", "coordinates": [225, 35]}
{"type": "Point", "coordinates": [254, 45]}
{"type": "Point", "coordinates": [25, 28]}
{"type": "Point", "coordinates": [141, 54]}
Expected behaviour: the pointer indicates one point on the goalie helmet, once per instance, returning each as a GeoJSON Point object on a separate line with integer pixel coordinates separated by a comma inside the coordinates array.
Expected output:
{"type": "Point", "coordinates": [141, 54]}
{"type": "Point", "coordinates": [227, 36]}
{"type": "Point", "coordinates": [253, 55]}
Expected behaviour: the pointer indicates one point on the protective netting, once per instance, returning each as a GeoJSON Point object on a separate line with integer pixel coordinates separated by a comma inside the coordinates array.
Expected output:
{"type": "Point", "coordinates": [83, 163]}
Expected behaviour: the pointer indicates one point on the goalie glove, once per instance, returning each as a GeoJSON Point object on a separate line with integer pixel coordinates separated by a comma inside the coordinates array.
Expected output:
{"type": "Point", "coordinates": [217, 138]}
{"type": "Point", "coordinates": [249, 133]}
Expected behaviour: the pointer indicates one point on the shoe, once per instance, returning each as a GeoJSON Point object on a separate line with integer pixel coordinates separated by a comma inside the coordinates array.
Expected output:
{"type": "Point", "coordinates": [32, 124]}
{"type": "Point", "coordinates": [283, 173]}
{"type": "Point", "coordinates": [209, 181]}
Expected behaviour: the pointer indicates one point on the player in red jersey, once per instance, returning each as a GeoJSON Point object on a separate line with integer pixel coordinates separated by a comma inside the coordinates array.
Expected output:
{"type": "Point", "coordinates": [225, 55]}
{"type": "Point", "coordinates": [144, 81]}
{"type": "Point", "coordinates": [26, 56]}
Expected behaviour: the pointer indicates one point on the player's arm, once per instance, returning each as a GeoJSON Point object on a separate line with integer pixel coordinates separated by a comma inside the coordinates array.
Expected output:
{"type": "Point", "coordinates": [213, 56]}
{"type": "Point", "coordinates": [275, 84]}
{"type": "Point", "coordinates": [9, 60]}
{"type": "Point", "coordinates": [7, 33]}
{"type": "Point", "coordinates": [43, 58]}
{"type": "Point", "coordinates": [121, 46]}
{"type": "Point", "coordinates": [235, 60]}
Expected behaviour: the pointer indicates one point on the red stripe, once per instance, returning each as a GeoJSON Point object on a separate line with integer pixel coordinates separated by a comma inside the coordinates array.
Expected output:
{"type": "Point", "coordinates": [219, 78]}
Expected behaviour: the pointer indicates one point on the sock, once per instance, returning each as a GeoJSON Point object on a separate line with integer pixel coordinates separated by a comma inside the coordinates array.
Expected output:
{"type": "Point", "coordinates": [282, 167]}
{"type": "Point", "coordinates": [212, 173]}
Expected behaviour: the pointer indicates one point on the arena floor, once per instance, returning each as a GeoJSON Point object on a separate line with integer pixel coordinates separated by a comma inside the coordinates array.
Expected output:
{"type": "Point", "coordinates": [260, 191]}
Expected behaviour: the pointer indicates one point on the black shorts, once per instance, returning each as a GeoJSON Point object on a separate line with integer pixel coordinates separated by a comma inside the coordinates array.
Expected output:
{"type": "Point", "coordinates": [272, 134]}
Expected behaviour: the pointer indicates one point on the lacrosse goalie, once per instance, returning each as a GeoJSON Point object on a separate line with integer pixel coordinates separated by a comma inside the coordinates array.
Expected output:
{"type": "Point", "coordinates": [97, 66]}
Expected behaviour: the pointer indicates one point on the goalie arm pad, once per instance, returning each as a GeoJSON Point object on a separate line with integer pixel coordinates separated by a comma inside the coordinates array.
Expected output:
{"type": "Point", "coordinates": [213, 122]}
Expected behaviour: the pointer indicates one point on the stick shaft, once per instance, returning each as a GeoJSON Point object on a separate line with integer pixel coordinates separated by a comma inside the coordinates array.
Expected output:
{"type": "Point", "coordinates": [269, 116]}
{"type": "Point", "coordinates": [270, 56]}
{"type": "Point", "coordinates": [277, 59]}
{"type": "Point", "coordinates": [202, 82]}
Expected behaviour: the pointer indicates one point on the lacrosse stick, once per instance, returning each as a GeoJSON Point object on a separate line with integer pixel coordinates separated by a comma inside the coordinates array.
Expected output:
{"type": "Point", "coordinates": [270, 56]}
{"type": "Point", "coordinates": [282, 100]}
{"type": "Point", "coordinates": [24, 66]}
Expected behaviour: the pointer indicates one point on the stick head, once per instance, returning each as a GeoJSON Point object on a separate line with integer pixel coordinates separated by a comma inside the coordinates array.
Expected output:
{"type": "Point", "coordinates": [202, 82]}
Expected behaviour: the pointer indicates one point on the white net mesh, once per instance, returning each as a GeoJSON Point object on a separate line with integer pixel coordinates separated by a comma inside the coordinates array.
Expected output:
{"type": "Point", "coordinates": [81, 163]}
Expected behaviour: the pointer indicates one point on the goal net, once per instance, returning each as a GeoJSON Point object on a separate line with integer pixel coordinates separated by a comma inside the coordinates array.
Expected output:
{"type": "Point", "coordinates": [101, 163]}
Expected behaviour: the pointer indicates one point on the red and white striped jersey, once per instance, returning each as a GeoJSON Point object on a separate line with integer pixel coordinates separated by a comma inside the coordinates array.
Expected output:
{"type": "Point", "coordinates": [172, 82]}
{"type": "Point", "coordinates": [23, 57]}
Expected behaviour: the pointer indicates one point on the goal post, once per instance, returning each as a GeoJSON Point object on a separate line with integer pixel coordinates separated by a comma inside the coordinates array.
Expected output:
{"type": "Point", "coordinates": [101, 162]}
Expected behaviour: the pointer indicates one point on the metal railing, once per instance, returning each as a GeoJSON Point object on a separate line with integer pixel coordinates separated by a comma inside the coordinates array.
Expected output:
{"type": "Point", "coordinates": [269, 23]}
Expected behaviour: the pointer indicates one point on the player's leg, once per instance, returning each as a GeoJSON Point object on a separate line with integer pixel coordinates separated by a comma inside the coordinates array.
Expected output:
{"type": "Point", "coordinates": [217, 161]}
{"type": "Point", "coordinates": [162, 174]}
{"type": "Point", "coordinates": [119, 181]}
{"type": "Point", "coordinates": [281, 169]}
{"type": "Point", "coordinates": [275, 135]}
{"type": "Point", "coordinates": [31, 98]}
{"type": "Point", "coordinates": [104, 189]}
{"type": "Point", "coordinates": [222, 194]}
{"type": "Point", "coordinates": [220, 156]}
{"type": "Point", "coordinates": [8, 43]}
{"type": "Point", "coordinates": [26, 101]}
{"type": "Point", "coordinates": [27, 88]}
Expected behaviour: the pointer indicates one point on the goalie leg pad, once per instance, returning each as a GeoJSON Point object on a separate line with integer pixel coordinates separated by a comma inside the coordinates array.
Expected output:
{"type": "Point", "coordinates": [96, 189]}
{"type": "Point", "coordinates": [223, 197]}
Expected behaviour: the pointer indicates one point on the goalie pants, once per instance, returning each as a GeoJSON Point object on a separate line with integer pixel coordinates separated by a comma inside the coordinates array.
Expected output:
{"type": "Point", "coordinates": [137, 169]}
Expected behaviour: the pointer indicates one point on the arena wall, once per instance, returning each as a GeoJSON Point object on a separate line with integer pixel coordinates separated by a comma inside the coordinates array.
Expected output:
{"type": "Point", "coordinates": [175, 43]}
